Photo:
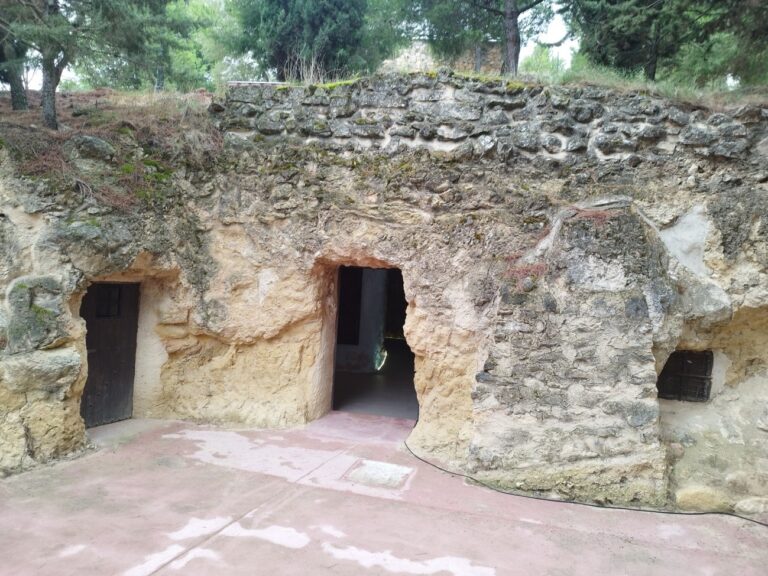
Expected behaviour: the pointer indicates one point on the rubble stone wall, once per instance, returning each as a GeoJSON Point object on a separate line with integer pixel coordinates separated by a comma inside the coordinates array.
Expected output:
{"type": "Point", "coordinates": [556, 245]}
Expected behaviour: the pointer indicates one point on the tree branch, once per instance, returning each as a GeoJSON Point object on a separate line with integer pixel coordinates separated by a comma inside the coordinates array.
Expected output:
{"type": "Point", "coordinates": [555, 44]}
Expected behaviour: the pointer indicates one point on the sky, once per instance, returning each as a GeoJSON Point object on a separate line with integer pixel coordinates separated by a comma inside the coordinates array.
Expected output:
{"type": "Point", "coordinates": [554, 33]}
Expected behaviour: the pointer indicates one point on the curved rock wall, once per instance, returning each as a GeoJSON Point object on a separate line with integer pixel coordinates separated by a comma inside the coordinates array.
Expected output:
{"type": "Point", "coordinates": [556, 244]}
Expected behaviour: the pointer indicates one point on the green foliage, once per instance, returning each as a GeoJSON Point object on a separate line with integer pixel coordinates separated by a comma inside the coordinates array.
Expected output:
{"type": "Point", "coordinates": [543, 65]}
{"type": "Point", "coordinates": [629, 34]}
{"type": "Point", "coordinates": [689, 41]}
{"type": "Point", "coordinates": [305, 39]}
{"type": "Point", "coordinates": [385, 32]}
{"type": "Point", "coordinates": [171, 55]}
{"type": "Point", "coordinates": [455, 26]}
{"type": "Point", "coordinates": [71, 31]}
{"type": "Point", "coordinates": [730, 40]}
{"type": "Point", "coordinates": [73, 85]}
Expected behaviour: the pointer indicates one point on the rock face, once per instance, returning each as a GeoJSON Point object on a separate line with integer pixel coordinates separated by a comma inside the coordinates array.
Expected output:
{"type": "Point", "coordinates": [556, 245]}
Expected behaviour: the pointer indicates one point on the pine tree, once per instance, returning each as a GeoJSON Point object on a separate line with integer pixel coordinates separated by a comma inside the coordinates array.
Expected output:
{"type": "Point", "coordinates": [12, 55]}
{"type": "Point", "coordinates": [645, 34]}
{"type": "Point", "coordinates": [65, 31]}
{"type": "Point", "coordinates": [169, 52]}
{"type": "Point", "coordinates": [628, 34]}
{"type": "Point", "coordinates": [293, 36]}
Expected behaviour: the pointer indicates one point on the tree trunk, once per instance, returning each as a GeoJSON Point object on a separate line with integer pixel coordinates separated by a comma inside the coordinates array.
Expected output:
{"type": "Point", "coordinates": [653, 55]}
{"type": "Point", "coordinates": [48, 93]}
{"type": "Point", "coordinates": [160, 78]}
{"type": "Point", "coordinates": [511, 38]}
{"type": "Point", "coordinates": [54, 60]}
{"type": "Point", "coordinates": [479, 57]}
{"type": "Point", "coordinates": [13, 75]}
{"type": "Point", "coordinates": [18, 91]}
{"type": "Point", "coordinates": [650, 68]}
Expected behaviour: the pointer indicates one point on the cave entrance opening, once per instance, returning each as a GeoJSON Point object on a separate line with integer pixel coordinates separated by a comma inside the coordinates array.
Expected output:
{"type": "Point", "coordinates": [374, 366]}
{"type": "Point", "coordinates": [111, 314]}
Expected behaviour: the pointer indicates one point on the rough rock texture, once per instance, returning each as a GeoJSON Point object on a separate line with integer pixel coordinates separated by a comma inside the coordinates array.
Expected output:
{"type": "Point", "coordinates": [556, 244]}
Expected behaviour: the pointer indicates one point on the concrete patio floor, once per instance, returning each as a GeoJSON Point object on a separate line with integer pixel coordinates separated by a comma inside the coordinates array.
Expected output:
{"type": "Point", "coordinates": [340, 496]}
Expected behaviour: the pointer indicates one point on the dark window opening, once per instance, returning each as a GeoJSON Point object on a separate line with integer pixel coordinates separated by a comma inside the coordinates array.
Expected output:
{"type": "Point", "coordinates": [687, 375]}
{"type": "Point", "coordinates": [107, 303]}
{"type": "Point", "coordinates": [374, 367]}
{"type": "Point", "coordinates": [111, 314]}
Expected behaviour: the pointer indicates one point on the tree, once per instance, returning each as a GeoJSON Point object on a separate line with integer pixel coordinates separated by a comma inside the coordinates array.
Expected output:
{"type": "Point", "coordinates": [629, 34]}
{"type": "Point", "coordinates": [170, 54]}
{"type": "Point", "coordinates": [12, 55]}
{"type": "Point", "coordinates": [453, 26]}
{"type": "Point", "coordinates": [286, 34]}
{"type": "Point", "coordinates": [730, 39]}
{"type": "Point", "coordinates": [63, 31]}
{"type": "Point", "coordinates": [386, 30]}
{"type": "Point", "coordinates": [650, 34]}
{"type": "Point", "coordinates": [12, 58]}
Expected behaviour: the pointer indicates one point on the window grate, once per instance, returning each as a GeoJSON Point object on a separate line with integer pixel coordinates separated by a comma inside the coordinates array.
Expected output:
{"type": "Point", "coordinates": [687, 376]}
{"type": "Point", "coordinates": [107, 297]}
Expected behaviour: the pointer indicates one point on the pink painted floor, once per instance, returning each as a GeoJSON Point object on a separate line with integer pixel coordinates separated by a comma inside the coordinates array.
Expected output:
{"type": "Point", "coordinates": [340, 496]}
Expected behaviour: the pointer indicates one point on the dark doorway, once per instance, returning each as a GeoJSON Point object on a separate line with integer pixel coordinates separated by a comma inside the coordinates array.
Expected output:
{"type": "Point", "coordinates": [374, 365]}
{"type": "Point", "coordinates": [111, 314]}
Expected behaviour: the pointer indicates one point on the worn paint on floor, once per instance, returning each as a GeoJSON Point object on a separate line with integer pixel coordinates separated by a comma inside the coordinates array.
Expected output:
{"type": "Point", "coordinates": [341, 496]}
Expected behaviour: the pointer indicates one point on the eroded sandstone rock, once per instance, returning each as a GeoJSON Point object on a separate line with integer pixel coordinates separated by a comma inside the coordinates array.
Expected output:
{"type": "Point", "coordinates": [556, 246]}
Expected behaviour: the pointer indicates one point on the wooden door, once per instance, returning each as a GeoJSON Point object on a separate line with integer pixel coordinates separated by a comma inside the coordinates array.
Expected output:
{"type": "Point", "coordinates": [111, 313]}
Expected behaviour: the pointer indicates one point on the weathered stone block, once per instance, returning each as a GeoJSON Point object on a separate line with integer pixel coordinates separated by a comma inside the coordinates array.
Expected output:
{"type": "Point", "coordinates": [729, 148]}
{"type": "Point", "coordinates": [642, 413]}
{"type": "Point", "coordinates": [269, 127]}
{"type": "Point", "coordinates": [52, 371]}
{"type": "Point", "coordinates": [402, 131]}
{"type": "Point", "coordinates": [380, 99]}
{"type": "Point", "coordinates": [451, 133]}
{"type": "Point", "coordinates": [509, 103]}
{"type": "Point", "coordinates": [316, 127]}
{"type": "Point", "coordinates": [612, 143]}
{"type": "Point", "coordinates": [367, 130]}
{"type": "Point", "coordinates": [93, 147]}
{"type": "Point", "coordinates": [677, 116]}
{"type": "Point", "coordinates": [752, 506]}
{"type": "Point", "coordinates": [702, 498]}
{"type": "Point", "coordinates": [35, 304]}
{"type": "Point", "coordinates": [585, 110]}
{"type": "Point", "coordinates": [698, 135]}
{"type": "Point", "coordinates": [495, 118]}
{"type": "Point", "coordinates": [551, 143]}
{"type": "Point", "coordinates": [576, 144]}
{"type": "Point", "coordinates": [526, 137]}
{"type": "Point", "coordinates": [650, 132]}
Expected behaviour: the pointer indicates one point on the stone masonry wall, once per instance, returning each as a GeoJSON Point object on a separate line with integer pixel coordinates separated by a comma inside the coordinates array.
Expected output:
{"type": "Point", "coordinates": [556, 244]}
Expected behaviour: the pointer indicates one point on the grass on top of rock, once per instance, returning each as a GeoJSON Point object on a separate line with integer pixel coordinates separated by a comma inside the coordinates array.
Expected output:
{"type": "Point", "coordinates": [581, 73]}
{"type": "Point", "coordinates": [153, 135]}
